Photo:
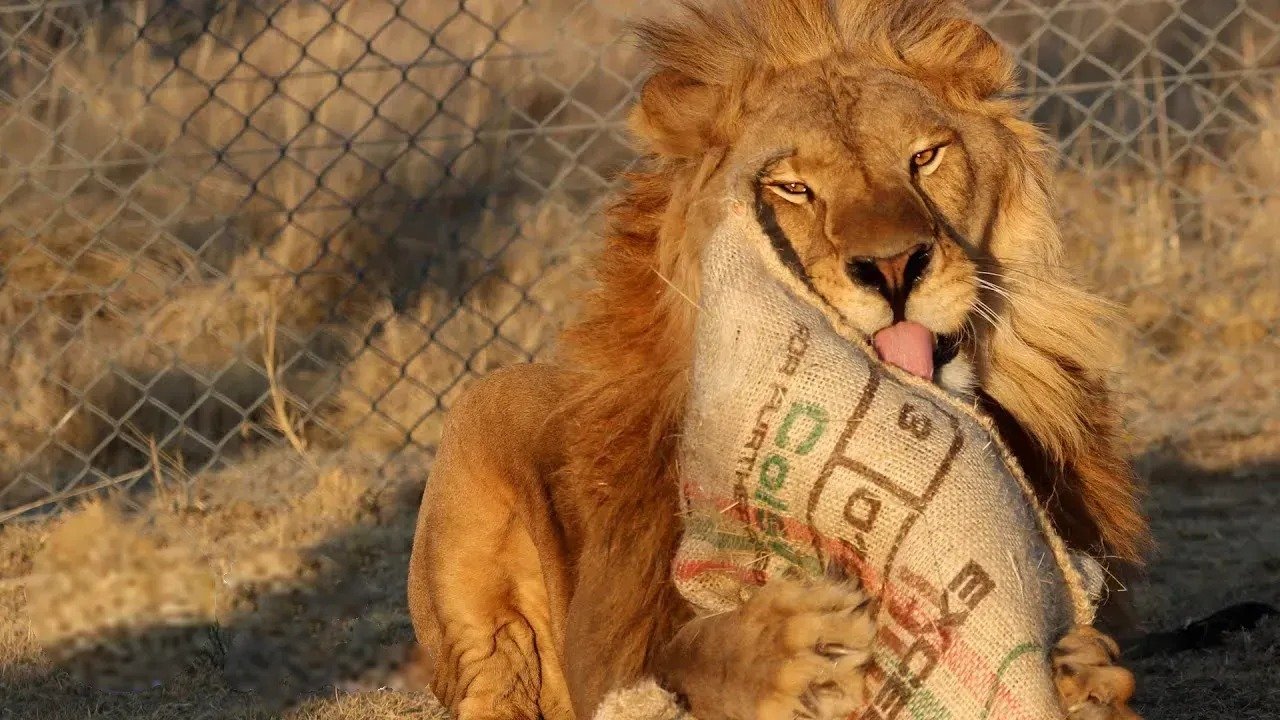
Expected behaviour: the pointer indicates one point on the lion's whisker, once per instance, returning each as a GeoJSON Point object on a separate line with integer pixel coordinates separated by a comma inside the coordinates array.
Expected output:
{"type": "Point", "coordinates": [1022, 267]}
{"type": "Point", "coordinates": [1016, 276]}
{"type": "Point", "coordinates": [990, 315]}
{"type": "Point", "coordinates": [1003, 262]}
{"type": "Point", "coordinates": [998, 276]}
{"type": "Point", "coordinates": [988, 285]}
{"type": "Point", "coordinates": [981, 312]}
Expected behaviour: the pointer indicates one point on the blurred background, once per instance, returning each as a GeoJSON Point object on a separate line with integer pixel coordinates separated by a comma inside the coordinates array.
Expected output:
{"type": "Point", "coordinates": [251, 251]}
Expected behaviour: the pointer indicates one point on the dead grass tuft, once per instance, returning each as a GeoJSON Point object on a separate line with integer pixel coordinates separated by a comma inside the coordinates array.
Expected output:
{"type": "Point", "coordinates": [1190, 252]}
{"type": "Point", "coordinates": [278, 578]}
{"type": "Point", "coordinates": [133, 290]}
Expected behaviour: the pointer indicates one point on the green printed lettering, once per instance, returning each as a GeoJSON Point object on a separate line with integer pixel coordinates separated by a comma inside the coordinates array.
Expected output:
{"type": "Point", "coordinates": [814, 413]}
{"type": "Point", "coordinates": [773, 472]}
{"type": "Point", "coordinates": [771, 501]}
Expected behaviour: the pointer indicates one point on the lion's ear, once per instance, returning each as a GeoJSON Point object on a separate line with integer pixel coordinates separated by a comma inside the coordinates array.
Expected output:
{"type": "Point", "coordinates": [966, 56]}
{"type": "Point", "coordinates": [676, 114]}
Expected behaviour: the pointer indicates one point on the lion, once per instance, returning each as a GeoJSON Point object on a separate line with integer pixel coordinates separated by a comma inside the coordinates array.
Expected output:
{"type": "Point", "coordinates": [898, 180]}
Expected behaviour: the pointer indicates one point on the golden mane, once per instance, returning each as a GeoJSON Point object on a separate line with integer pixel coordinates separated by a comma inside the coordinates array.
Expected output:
{"type": "Point", "coordinates": [722, 43]}
{"type": "Point", "coordinates": [564, 477]}
{"type": "Point", "coordinates": [1043, 369]}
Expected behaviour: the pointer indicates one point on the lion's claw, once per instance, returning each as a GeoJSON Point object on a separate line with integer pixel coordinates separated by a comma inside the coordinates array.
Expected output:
{"type": "Point", "coordinates": [796, 649]}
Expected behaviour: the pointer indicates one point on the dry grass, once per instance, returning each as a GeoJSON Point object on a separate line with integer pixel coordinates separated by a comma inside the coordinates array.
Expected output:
{"type": "Point", "coordinates": [255, 589]}
{"type": "Point", "coordinates": [277, 581]}
{"type": "Point", "coordinates": [131, 290]}
{"type": "Point", "coordinates": [1190, 252]}
{"type": "Point", "coordinates": [270, 581]}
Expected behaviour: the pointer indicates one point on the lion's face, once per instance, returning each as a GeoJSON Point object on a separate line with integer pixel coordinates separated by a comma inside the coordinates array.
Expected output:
{"type": "Point", "coordinates": [895, 176]}
{"type": "Point", "coordinates": [873, 191]}
{"type": "Point", "coordinates": [892, 176]}
{"type": "Point", "coordinates": [905, 188]}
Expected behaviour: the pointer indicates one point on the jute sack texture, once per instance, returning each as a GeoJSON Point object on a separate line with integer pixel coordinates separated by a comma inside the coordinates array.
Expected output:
{"type": "Point", "coordinates": [800, 449]}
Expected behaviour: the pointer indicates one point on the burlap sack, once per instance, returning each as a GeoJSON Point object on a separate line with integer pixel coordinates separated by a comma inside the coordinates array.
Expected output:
{"type": "Point", "coordinates": [800, 448]}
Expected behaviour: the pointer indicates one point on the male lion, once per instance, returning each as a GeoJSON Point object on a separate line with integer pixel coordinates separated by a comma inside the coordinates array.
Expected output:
{"type": "Point", "coordinates": [897, 178]}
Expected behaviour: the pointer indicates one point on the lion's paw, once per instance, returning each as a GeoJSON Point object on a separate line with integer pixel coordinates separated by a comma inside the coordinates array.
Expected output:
{"type": "Point", "coordinates": [1091, 685]}
{"type": "Point", "coordinates": [794, 649]}
{"type": "Point", "coordinates": [815, 644]}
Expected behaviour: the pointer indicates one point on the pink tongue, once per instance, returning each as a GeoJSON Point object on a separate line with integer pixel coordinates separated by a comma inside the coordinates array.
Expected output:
{"type": "Point", "coordinates": [908, 345]}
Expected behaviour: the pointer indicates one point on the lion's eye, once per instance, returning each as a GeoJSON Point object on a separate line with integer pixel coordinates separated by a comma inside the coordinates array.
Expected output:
{"type": "Point", "coordinates": [796, 193]}
{"type": "Point", "coordinates": [926, 161]}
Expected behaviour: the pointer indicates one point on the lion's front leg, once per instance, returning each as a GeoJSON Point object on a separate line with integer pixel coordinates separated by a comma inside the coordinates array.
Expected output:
{"type": "Point", "coordinates": [795, 649]}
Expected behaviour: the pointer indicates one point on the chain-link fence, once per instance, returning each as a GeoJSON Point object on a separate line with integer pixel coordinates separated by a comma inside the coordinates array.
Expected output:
{"type": "Point", "coordinates": [228, 225]}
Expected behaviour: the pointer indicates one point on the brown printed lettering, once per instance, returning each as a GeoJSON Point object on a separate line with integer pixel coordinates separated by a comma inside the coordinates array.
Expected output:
{"type": "Point", "coordinates": [972, 585]}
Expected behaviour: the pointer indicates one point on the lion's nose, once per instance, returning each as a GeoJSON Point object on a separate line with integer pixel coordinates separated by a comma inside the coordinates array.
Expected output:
{"type": "Point", "coordinates": [893, 276]}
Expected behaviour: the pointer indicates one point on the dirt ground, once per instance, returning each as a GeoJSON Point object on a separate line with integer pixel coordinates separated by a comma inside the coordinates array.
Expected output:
{"type": "Point", "coordinates": [277, 590]}
{"type": "Point", "coordinates": [1217, 547]}
{"type": "Point", "coordinates": [274, 587]}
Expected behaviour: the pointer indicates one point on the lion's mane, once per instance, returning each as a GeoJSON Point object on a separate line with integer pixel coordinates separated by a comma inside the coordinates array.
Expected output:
{"type": "Point", "coordinates": [1043, 370]}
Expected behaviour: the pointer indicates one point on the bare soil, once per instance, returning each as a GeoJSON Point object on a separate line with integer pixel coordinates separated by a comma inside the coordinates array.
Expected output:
{"type": "Point", "coordinates": [276, 589]}
{"type": "Point", "coordinates": [337, 303]}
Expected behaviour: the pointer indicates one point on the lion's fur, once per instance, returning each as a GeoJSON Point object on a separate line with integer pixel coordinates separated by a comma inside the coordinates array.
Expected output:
{"type": "Point", "coordinates": [1048, 362]}
{"type": "Point", "coordinates": [605, 460]}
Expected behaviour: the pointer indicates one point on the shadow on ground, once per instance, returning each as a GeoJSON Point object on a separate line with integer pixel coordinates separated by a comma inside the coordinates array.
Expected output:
{"type": "Point", "coordinates": [283, 648]}
{"type": "Point", "coordinates": [1217, 548]}
{"type": "Point", "coordinates": [288, 649]}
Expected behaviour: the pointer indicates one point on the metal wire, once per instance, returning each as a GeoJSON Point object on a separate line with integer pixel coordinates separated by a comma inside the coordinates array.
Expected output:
{"type": "Point", "coordinates": [390, 195]}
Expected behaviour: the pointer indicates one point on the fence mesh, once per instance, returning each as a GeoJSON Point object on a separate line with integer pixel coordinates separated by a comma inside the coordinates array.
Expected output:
{"type": "Point", "coordinates": [233, 225]}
